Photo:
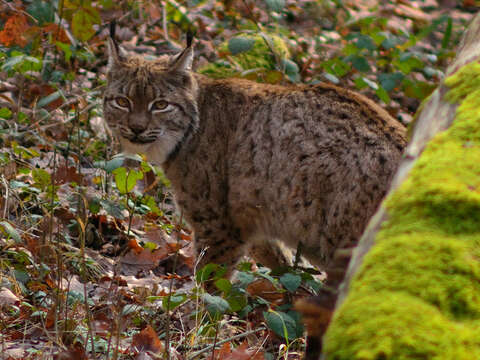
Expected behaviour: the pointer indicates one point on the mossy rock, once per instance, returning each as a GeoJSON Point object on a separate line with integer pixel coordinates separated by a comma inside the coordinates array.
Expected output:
{"type": "Point", "coordinates": [396, 325]}
{"type": "Point", "coordinates": [417, 292]}
{"type": "Point", "coordinates": [259, 56]}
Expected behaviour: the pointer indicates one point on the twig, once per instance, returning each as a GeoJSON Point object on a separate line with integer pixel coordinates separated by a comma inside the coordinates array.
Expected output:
{"type": "Point", "coordinates": [170, 287]}
{"type": "Point", "coordinates": [164, 21]}
{"type": "Point", "coordinates": [5, 206]}
{"type": "Point", "coordinates": [236, 337]}
{"type": "Point", "coordinates": [82, 219]}
{"type": "Point", "coordinates": [215, 340]}
{"type": "Point", "coordinates": [50, 241]}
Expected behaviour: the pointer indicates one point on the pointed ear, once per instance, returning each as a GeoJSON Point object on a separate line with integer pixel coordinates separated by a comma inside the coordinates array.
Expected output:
{"type": "Point", "coordinates": [183, 61]}
{"type": "Point", "coordinates": [114, 57]}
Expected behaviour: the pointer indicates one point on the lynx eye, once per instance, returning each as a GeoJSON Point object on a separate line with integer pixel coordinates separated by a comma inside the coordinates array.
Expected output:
{"type": "Point", "coordinates": [122, 102]}
{"type": "Point", "coordinates": [159, 105]}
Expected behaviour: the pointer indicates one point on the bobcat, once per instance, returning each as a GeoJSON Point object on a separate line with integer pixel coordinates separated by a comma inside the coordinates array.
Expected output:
{"type": "Point", "coordinates": [252, 162]}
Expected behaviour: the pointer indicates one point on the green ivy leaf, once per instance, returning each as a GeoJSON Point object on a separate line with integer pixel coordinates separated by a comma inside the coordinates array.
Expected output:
{"type": "Point", "coordinates": [360, 63]}
{"type": "Point", "coordinates": [360, 83]}
{"type": "Point", "coordinates": [21, 276]}
{"type": "Point", "coordinates": [330, 77]}
{"type": "Point", "coordinates": [67, 49]}
{"type": "Point", "coordinates": [114, 209]}
{"type": "Point", "coordinates": [239, 44]}
{"type": "Point", "coordinates": [315, 285]}
{"type": "Point", "coordinates": [291, 69]}
{"type": "Point", "coordinates": [11, 231]}
{"type": "Point", "coordinates": [110, 165]}
{"type": "Point", "coordinates": [215, 305]}
{"type": "Point", "coordinates": [244, 278]}
{"type": "Point", "coordinates": [94, 205]}
{"type": "Point", "coordinates": [298, 322]}
{"type": "Point", "coordinates": [175, 301]}
{"type": "Point", "coordinates": [126, 179]}
{"type": "Point", "coordinates": [49, 98]}
{"type": "Point", "coordinates": [337, 67]}
{"type": "Point", "coordinates": [366, 42]}
{"type": "Point", "coordinates": [291, 282]}
{"type": "Point", "coordinates": [82, 22]}
{"type": "Point", "coordinates": [42, 11]}
{"type": "Point", "coordinates": [390, 42]}
{"type": "Point", "coordinates": [391, 80]}
{"type": "Point", "coordinates": [223, 285]}
{"type": "Point", "coordinates": [42, 178]}
{"type": "Point", "coordinates": [383, 95]}
{"type": "Point", "coordinates": [11, 62]}
{"type": "Point", "coordinates": [22, 63]}
{"type": "Point", "coordinates": [5, 113]}
{"type": "Point", "coordinates": [237, 301]}
{"type": "Point", "coordinates": [408, 62]}
{"type": "Point", "coordinates": [281, 324]}
{"type": "Point", "coordinates": [204, 273]}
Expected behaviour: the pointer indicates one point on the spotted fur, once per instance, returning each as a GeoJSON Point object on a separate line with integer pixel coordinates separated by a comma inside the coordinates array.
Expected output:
{"type": "Point", "coordinates": [252, 162]}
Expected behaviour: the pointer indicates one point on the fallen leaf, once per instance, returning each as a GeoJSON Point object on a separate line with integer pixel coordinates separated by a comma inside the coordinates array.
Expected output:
{"type": "Point", "coordinates": [57, 32]}
{"type": "Point", "coordinates": [75, 352]}
{"type": "Point", "coordinates": [147, 340]}
{"type": "Point", "coordinates": [7, 297]}
{"type": "Point", "coordinates": [14, 30]}
{"type": "Point", "coordinates": [266, 290]}
{"type": "Point", "coordinates": [240, 353]}
{"type": "Point", "coordinates": [134, 245]}
{"type": "Point", "coordinates": [66, 174]}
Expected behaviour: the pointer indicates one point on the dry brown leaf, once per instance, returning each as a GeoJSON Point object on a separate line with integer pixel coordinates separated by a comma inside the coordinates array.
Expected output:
{"type": "Point", "coordinates": [240, 353]}
{"type": "Point", "coordinates": [7, 297]}
{"type": "Point", "coordinates": [56, 32]}
{"type": "Point", "coordinates": [75, 352]}
{"type": "Point", "coordinates": [266, 290]}
{"type": "Point", "coordinates": [66, 174]}
{"type": "Point", "coordinates": [14, 30]}
{"type": "Point", "coordinates": [147, 340]}
{"type": "Point", "coordinates": [224, 351]}
{"type": "Point", "coordinates": [35, 91]}
{"type": "Point", "coordinates": [135, 246]}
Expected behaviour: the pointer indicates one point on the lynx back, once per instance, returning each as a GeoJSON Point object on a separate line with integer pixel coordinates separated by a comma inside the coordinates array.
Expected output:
{"type": "Point", "coordinates": [252, 162]}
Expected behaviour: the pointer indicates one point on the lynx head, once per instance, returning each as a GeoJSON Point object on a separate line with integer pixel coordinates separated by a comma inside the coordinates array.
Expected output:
{"type": "Point", "coordinates": [150, 105]}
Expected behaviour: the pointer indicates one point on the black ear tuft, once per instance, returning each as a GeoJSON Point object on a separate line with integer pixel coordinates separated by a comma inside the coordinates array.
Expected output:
{"type": "Point", "coordinates": [190, 35]}
{"type": "Point", "coordinates": [113, 25]}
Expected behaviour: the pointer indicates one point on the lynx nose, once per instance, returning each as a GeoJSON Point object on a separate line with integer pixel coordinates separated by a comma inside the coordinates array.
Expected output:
{"type": "Point", "coordinates": [137, 128]}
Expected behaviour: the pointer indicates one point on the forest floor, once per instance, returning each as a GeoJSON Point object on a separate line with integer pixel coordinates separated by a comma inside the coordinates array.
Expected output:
{"type": "Point", "coordinates": [94, 261]}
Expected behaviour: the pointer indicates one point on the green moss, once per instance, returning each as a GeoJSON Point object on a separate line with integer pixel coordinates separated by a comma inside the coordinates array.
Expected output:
{"type": "Point", "coordinates": [260, 56]}
{"type": "Point", "coordinates": [425, 263]}
{"type": "Point", "coordinates": [396, 325]}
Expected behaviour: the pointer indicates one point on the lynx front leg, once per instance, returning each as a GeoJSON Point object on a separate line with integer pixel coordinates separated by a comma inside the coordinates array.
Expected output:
{"type": "Point", "coordinates": [219, 245]}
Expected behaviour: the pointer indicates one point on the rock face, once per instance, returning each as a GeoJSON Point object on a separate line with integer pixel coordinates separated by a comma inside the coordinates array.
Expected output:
{"type": "Point", "coordinates": [413, 286]}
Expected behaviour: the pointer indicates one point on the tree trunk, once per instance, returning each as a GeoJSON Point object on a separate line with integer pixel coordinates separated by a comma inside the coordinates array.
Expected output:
{"type": "Point", "coordinates": [412, 290]}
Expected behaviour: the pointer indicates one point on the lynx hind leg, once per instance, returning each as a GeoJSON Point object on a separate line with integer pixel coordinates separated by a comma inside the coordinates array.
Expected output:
{"type": "Point", "coordinates": [270, 253]}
